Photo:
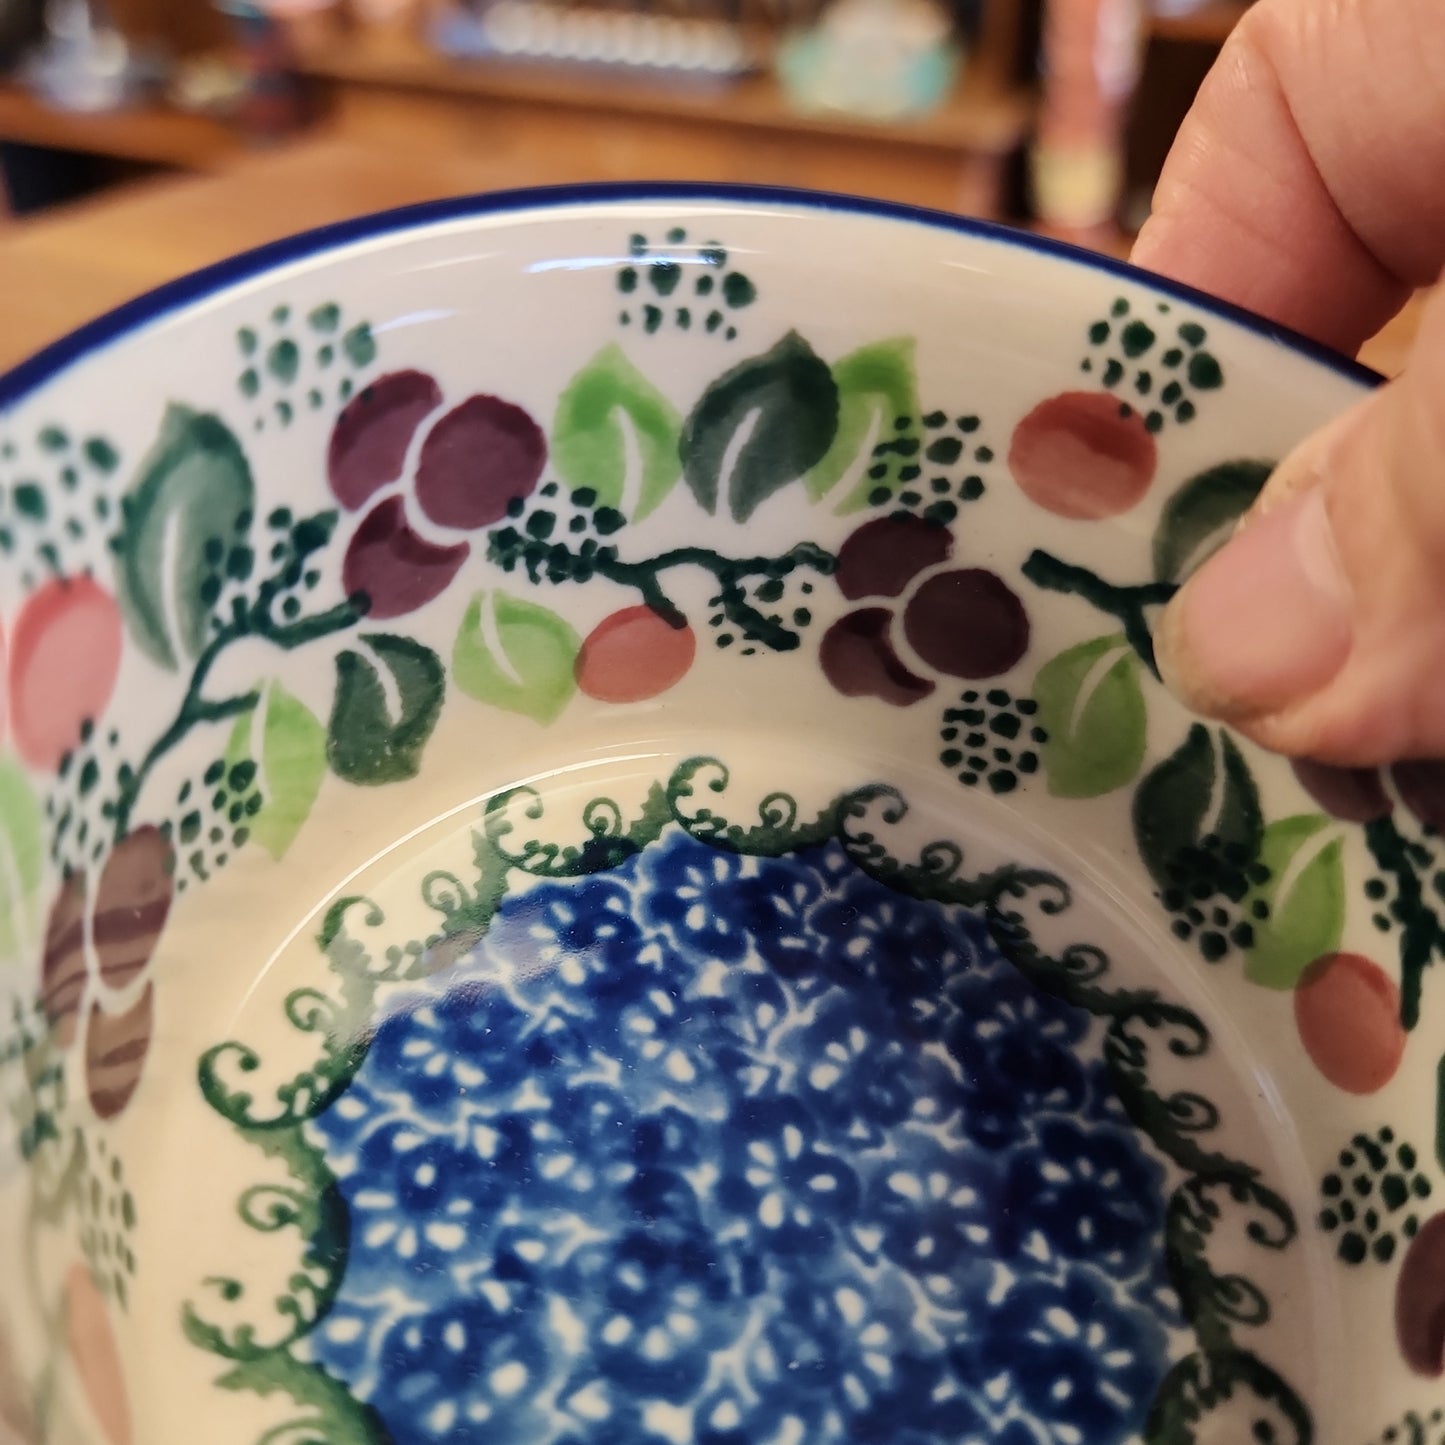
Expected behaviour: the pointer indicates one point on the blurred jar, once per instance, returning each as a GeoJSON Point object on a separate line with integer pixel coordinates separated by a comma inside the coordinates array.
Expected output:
{"type": "Point", "coordinates": [1092, 50]}
{"type": "Point", "coordinates": [884, 59]}
{"type": "Point", "coordinates": [396, 16]}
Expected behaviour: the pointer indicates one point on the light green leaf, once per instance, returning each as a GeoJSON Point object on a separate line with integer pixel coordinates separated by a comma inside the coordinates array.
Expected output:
{"type": "Point", "coordinates": [184, 525]}
{"type": "Point", "coordinates": [1177, 796]}
{"type": "Point", "coordinates": [1199, 517]}
{"type": "Point", "coordinates": [22, 860]}
{"type": "Point", "coordinates": [1092, 706]}
{"type": "Point", "coordinates": [608, 403]}
{"type": "Point", "coordinates": [876, 386]}
{"type": "Point", "coordinates": [291, 767]}
{"type": "Point", "coordinates": [364, 743]}
{"type": "Point", "coordinates": [1305, 896]}
{"type": "Point", "coordinates": [762, 425]}
{"type": "Point", "coordinates": [529, 670]}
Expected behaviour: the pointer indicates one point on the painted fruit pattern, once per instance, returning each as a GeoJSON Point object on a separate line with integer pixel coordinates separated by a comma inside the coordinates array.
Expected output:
{"type": "Point", "coordinates": [479, 551]}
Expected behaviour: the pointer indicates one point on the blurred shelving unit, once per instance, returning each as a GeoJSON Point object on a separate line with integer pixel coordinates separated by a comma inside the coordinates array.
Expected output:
{"type": "Point", "coordinates": [148, 134]}
{"type": "Point", "coordinates": [1207, 24]}
{"type": "Point", "coordinates": [395, 91]}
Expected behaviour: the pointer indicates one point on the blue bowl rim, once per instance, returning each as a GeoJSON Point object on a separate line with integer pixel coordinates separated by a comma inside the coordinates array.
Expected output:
{"type": "Point", "coordinates": [94, 336]}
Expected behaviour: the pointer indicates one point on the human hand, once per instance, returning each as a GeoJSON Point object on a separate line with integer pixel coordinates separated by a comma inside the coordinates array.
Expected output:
{"type": "Point", "coordinates": [1308, 184]}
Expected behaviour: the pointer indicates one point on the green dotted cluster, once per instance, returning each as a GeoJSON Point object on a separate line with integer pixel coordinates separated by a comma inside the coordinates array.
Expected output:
{"type": "Point", "coordinates": [32, 1079]}
{"type": "Point", "coordinates": [1370, 1199]}
{"type": "Point", "coordinates": [293, 544]}
{"type": "Point", "coordinates": [1160, 365]}
{"type": "Point", "coordinates": [1417, 1428]}
{"type": "Point", "coordinates": [776, 595]}
{"type": "Point", "coordinates": [54, 499]}
{"type": "Point", "coordinates": [79, 804]}
{"type": "Point", "coordinates": [1411, 856]}
{"type": "Point", "coordinates": [658, 292]}
{"type": "Point", "coordinates": [212, 819]}
{"type": "Point", "coordinates": [1208, 883]}
{"type": "Point", "coordinates": [107, 1221]}
{"type": "Point", "coordinates": [559, 537]}
{"type": "Point", "coordinates": [992, 739]}
{"type": "Point", "coordinates": [286, 365]}
{"type": "Point", "coordinates": [929, 476]}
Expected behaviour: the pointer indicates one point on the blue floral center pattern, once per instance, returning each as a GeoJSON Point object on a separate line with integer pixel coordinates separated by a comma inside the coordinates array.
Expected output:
{"type": "Point", "coordinates": [720, 1149]}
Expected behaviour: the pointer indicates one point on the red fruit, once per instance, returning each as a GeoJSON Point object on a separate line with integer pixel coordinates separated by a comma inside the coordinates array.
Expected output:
{"type": "Point", "coordinates": [1083, 454]}
{"type": "Point", "coordinates": [62, 968]}
{"type": "Point", "coordinates": [397, 569]}
{"type": "Point", "coordinates": [882, 557]}
{"type": "Point", "coordinates": [967, 623]}
{"type": "Point", "coordinates": [115, 1053]}
{"type": "Point", "coordinates": [64, 660]}
{"type": "Point", "coordinates": [1347, 1010]}
{"type": "Point", "coordinates": [857, 657]}
{"type": "Point", "coordinates": [373, 434]}
{"type": "Point", "coordinates": [481, 456]}
{"type": "Point", "coordinates": [96, 1357]}
{"type": "Point", "coordinates": [131, 905]}
{"type": "Point", "coordinates": [632, 655]}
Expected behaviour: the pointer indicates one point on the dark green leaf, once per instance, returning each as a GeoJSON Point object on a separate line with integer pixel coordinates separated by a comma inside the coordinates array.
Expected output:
{"type": "Point", "coordinates": [1305, 896]}
{"type": "Point", "coordinates": [194, 486]}
{"type": "Point", "coordinates": [605, 400]}
{"type": "Point", "coordinates": [364, 743]}
{"type": "Point", "coordinates": [1199, 517]}
{"type": "Point", "coordinates": [1092, 705]}
{"type": "Point", "coordinates": [1240, 822]}
{"type": "Point", "coordinates": [1176, 804]}
{"type": "Point", "coordinates": [762, 425]}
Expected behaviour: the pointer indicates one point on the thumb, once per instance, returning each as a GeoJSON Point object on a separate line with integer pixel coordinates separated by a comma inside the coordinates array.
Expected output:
{"type": "Point", "coordinates": [1319, 628]}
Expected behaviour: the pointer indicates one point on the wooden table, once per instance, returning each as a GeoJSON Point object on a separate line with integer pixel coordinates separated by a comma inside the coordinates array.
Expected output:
{"type": "Point", "coordinates": [63, 269]}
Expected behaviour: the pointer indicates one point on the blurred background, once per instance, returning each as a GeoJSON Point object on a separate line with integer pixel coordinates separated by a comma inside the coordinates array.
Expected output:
{"type": "Point", "coordinates": [142, 138]}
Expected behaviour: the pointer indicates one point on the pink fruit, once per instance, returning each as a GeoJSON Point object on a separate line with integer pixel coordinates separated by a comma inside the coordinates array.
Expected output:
{"type": "Point", "coordinates": [373, 434]}
{"type": "Point", "coordinates": [1347, 1010]}
{"type": "Point", "coordinates": [93, 1350]}
{"type": "Point", "coordinates": [64, 660]}
{"type": "Point", "coordinates": [632, 655]}
{"type": "Point", "coordinates": [882, 557]}
{"type": "Point", "coordinates": [480, 457]}
{"type": "Point", "coordinates": [396, 569]}
{"type": "Point", "coordinates": [967, 623]}
{"type": "Point", "coordinates": [1083, 454]}
{"type": "Point", "coordinates": [857, 657]}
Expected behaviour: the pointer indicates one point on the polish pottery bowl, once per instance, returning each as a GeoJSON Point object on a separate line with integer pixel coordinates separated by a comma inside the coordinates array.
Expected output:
{"type": "Point", "coordinates": [591, 854]}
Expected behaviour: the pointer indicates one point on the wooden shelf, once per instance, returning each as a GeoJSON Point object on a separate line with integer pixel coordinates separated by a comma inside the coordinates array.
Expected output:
{"type": "Point", "coordinates": [979, 117]}
{"type": "Point", "coordinates": [1210, 24]}
{"type": "Point", "coordinates": [150, 133]}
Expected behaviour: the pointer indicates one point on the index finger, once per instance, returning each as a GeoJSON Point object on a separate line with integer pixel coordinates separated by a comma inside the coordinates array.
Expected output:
{"type": "Point", "coordinates": [1305, 183]}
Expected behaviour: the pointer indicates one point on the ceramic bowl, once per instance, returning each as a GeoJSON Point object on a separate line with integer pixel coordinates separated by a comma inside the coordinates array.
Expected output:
{"type": "Point", "coordinates": [591, 852]}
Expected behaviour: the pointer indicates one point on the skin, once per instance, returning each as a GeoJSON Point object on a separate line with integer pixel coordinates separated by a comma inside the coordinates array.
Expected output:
{"type": "Point", "coordinates": [1306, 185]}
